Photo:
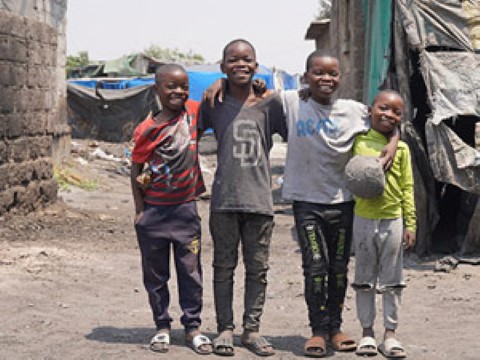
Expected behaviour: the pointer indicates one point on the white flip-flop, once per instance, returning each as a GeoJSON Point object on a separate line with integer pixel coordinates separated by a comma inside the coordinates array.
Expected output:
{"type": "Point", "coordinates": [161, 339]}
{"type": "Point", "coordinates": [392, 349]}
{"type": "Point", "coordinates": [367, 347]}
{"type": "Point", "coordinates": [198, 341]}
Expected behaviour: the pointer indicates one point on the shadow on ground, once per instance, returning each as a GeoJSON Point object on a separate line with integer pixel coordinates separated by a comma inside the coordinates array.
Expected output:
{"type": "Point", "coordinates": [114, 335]}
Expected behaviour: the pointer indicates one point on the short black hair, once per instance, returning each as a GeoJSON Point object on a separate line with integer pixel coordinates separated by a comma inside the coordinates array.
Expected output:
{"type": "Point", "coordinates": [317, 54]}
{"type": "Point", "coordinates": [162, 69]}
{"type": "Point", "coordinates": [386, 91]}
{"type": "Point", "coordinates": [236, 41]}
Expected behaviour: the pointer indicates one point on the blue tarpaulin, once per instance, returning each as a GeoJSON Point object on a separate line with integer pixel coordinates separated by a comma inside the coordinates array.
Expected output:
{"type": "Point", "coordinates": [200, 78]}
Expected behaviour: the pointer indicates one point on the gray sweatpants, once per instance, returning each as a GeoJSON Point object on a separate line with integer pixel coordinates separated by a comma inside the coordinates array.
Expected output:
{"type": "Point", "coordinates": [378, 267]}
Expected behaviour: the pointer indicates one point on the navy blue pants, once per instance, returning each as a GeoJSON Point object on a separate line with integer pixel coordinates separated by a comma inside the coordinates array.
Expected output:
{"type": "Point", "coordinates": [158, 230]}
{"type": "Point", "coordinates": [325, 236]}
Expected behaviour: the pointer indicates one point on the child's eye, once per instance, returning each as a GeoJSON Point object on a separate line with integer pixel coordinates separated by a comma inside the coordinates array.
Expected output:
{"type": "Point", "coordinates": [244, 59]}
{"type": "Point", "coordinates": [175, 86]}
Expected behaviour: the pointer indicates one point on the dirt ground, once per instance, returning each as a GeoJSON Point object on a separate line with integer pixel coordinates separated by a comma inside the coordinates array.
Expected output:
{"type": "Point", "coordinates": [71, 284]}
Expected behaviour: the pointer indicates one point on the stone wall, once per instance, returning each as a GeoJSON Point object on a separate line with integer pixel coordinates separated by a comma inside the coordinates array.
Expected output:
{"type": "Point", "coordinates": [33, 123]}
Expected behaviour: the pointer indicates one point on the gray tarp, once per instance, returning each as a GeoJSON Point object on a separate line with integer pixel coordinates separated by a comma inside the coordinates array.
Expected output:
{"type": "Point", "coordinates": [438, 22]}
{"type": "Point", "coordinates": [453, 89]}
{"type": "Point", "coordinates": [452, 79]}
{"type": "Point", "coordinates": [453, 83]}
{"type": "Point", "coordinates": [446, 35]}
{"type": "Point", "coordinates": [449, 157]}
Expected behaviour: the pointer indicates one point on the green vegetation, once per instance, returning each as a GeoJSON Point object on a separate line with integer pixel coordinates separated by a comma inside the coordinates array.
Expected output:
{"type": "Point", "coordinates": [160, 53]}
{"type": "Point", "coordinates": [65, 177]}
{"type": "Point", "coordinates": [325, 9]}
{"type": "Point", "coordinates": [81, 59]}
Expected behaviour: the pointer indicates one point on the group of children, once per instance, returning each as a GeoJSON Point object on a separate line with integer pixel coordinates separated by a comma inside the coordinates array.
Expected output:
{"type": "Point", "coordinates": [322, 135]}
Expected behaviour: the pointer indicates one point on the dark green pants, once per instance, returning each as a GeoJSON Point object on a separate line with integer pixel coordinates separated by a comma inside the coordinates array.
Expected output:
{"type": "Point", "coordinates": [254, 232]}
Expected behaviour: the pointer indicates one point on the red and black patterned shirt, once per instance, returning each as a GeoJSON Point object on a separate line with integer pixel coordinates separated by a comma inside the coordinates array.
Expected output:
{"type": "Point", "coordinates": [170, 148]}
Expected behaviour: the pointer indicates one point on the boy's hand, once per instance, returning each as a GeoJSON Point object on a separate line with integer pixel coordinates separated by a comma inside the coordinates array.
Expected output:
{"type": "Point", "coordinates": [387, 156]}
{"type": "Point", "coordinates": [304, 93]}
{"type": "Point", "coordinates": [388, 152]}
{"type": "Point", "coordinates": [259, 87]}
{"type": "Point", "coordinates": [215, 90]}
{"type": "Point", "coordinates": [137, 217]}
{"type": "Point", "coordinates": [408, 239]}
{"type": "Point", "coordinates": [144, 180]}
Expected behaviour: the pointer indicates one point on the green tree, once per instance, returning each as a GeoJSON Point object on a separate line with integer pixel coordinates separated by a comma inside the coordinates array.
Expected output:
{"type": "Point", "coordinates": [160, 53]}
{"type": "Point", "coordinates": [80, 59]}
{"type": "Point", "coordinates": [75, 61]}
{"type": "Point", "coordinates": [325, 9]}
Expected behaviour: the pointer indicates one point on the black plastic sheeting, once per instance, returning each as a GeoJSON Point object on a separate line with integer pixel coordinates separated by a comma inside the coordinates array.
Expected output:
{"type": "Point", "coordinates": [108, 115]}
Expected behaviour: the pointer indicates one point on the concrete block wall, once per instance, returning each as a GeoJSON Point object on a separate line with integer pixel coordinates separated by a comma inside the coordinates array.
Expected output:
{"type": "Point", "coordinates": [33, 124]}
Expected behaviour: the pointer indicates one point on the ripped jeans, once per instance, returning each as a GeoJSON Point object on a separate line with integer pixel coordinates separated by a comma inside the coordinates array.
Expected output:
{"type": "Point", "coordinates": [378, 268]}
{"type": "Point", "coordinates": [325, 236]}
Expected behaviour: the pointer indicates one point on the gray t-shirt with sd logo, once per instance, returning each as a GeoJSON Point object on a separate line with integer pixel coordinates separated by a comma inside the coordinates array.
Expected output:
{"type": "Point", "coordinates": [242, 180]}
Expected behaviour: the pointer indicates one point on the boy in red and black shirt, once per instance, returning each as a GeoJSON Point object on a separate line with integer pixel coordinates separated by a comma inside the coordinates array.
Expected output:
{"type": "Point", "coordinates": [165, 209]}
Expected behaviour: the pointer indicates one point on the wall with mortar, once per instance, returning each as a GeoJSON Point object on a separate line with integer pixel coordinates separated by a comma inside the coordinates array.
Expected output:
{"type": "Point", "coordinates": [33, 124]}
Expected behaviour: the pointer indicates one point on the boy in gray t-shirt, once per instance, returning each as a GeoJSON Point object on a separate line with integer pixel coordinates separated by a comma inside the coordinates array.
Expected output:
{"type": "Point", "coordinates": [241, 207]}
{"type": "Point", "coordinates": [320, 139]}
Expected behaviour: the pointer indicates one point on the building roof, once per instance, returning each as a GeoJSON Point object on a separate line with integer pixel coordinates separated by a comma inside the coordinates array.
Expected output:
{"type": "Point", "coordinates": [317, 28]}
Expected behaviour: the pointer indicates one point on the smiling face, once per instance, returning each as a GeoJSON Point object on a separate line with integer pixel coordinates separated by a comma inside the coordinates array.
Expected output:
{"type": "Point", "coordinates": [172, 89]}
{"type": "Point", "coordinates": [323, 77]}
{"type": "Point", "coordinates": [386, 112]}
{"type": "Point", "coordinates": [239, 63]}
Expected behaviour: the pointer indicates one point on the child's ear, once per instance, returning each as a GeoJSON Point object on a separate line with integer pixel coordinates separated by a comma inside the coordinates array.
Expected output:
{"type": "Point", "coordinates": [256, 66]}
{"type": "Point", "coordinates": [222, 68]}
{"type": "Point", "coordinates": [304, 78]}
{"type": "Point", "coordinates": [369, 110]}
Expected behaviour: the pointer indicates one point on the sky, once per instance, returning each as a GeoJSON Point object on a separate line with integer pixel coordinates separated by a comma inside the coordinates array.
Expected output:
{"type": "Point", "coordinates": [108, 29]}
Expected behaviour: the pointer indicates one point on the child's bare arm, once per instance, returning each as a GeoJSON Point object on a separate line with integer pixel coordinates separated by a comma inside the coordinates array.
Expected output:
{"type": "Point", "coordinates": [137, 193]}
{"type": "Point", "coordinates": [217, 90]}
{"type": "Point", "coordinates": [388, 152]}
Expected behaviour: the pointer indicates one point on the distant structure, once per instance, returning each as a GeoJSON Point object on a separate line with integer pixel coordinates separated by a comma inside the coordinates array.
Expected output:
{"type": "Point", "coordinates": [33, 115]}
{"type": "Point", "coordinates": [319, 30]}
{"type": "Point", "coordinates": [429, 51]}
